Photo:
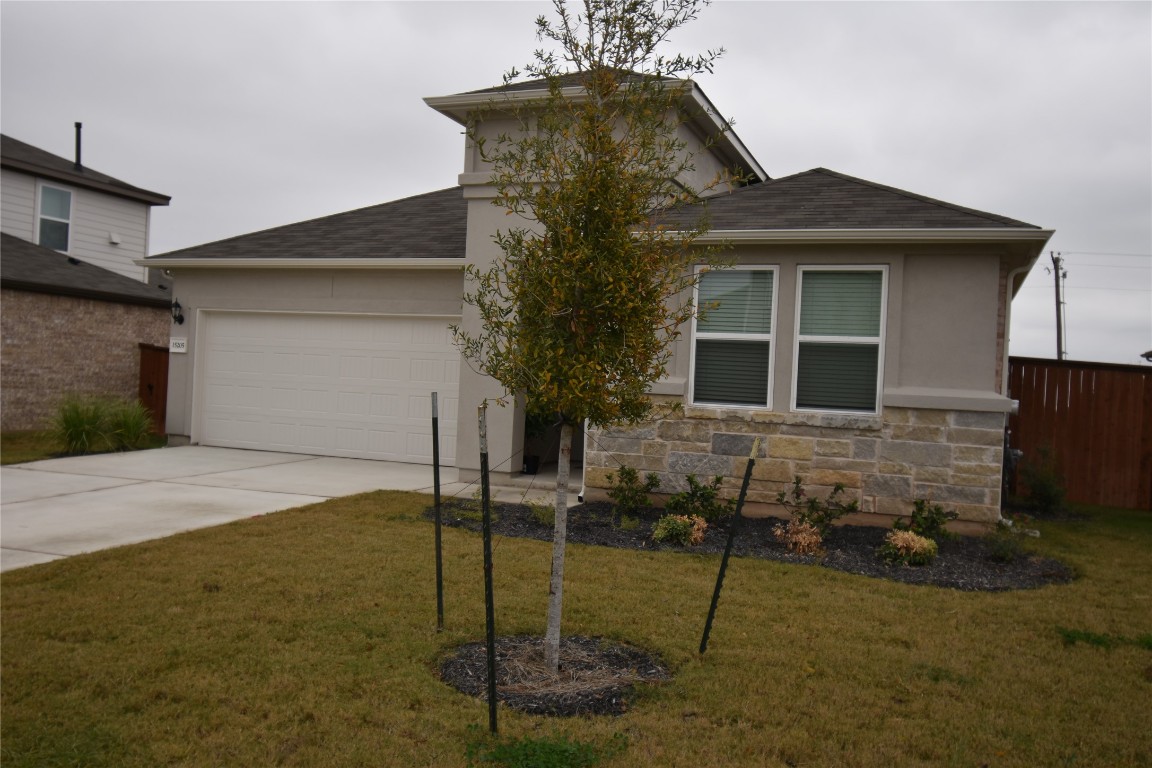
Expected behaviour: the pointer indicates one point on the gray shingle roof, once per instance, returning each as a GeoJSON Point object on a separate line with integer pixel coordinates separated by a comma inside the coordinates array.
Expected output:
{"type": "Point", "coordinates": [17, 155]}
{"type": "Point", "coordinates": [566, 80]}
{"type": "Point", "coordinates": [432, 226]}
{"type": "Point", "coordinates": [29, 267]}
{"type": "Point", "coordinates": [823, 199]}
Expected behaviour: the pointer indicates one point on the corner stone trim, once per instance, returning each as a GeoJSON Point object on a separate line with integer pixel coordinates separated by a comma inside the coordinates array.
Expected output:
{"type": "Point", "coordinates": [950, 457]}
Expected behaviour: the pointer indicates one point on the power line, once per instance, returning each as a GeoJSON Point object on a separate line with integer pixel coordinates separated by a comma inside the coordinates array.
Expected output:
{"type": "Point", "coordinates": [1102, 253]}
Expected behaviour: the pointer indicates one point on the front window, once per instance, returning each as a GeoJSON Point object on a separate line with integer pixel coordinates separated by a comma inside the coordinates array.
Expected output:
{"type": "Point", "coordinates": [839, 344]}
{"type": "Point", "coordinates": [732, 359]}
{"type": "Point", "coordinates": [55, 219]}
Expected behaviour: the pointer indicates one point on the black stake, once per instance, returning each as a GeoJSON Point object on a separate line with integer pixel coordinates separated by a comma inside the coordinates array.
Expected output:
{"type": "Point", "coordinates": [728, 547]}
{"type": "Point", "coordinates": [489, 602]}
{"type": "Point", "coordinates": [436, 504]}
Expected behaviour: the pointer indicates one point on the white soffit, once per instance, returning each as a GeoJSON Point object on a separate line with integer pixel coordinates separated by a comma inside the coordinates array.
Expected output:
{"type": "Point", "coordinates": [302, 263]}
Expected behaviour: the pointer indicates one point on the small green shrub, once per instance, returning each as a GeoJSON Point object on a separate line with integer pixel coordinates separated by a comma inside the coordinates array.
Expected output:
{"type": "Point", "coordinates": [1045, 484]}
{"type": "Point", "coordinates": [928, 520]}
{"type": "Point", "coordinates": [545, 514]}
{"type": "Point", "coordinates": [128, 425]}
{"type": "Point", "coordinates": [905, 547]}
{"type": "Point", "coordinates": [1003, 545]}
{"type": "Point", "coordinates": [685, 530]}
{"type": "Point", "coordinates": [629, 494]}
{"type": "Point", "coordinates": [79, 424]}
{"type": "Point", "coordinates": [701, 501]}
{"type": "Point", "coordinates": [809, 509]}
{"type": "Point", "coordinates": [547, 752]}
{"type": "Point", "coordinates": [799, 536]}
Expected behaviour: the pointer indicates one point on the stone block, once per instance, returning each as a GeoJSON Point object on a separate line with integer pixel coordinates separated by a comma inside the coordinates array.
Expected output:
{"type": "Point", "coordinates": [975, 481]}
{"type": "Point", "coordinates": [979, 420]}
{"type": "Point", "coordinates": [834, 448]}
{"type": "Point", "coordinates": [866, 448]}
{"type": "Point", "coordinates": [617, 445]}
{"type": "Point", "coordinates": [930, 417]}
{"type": "Point", "coordinates": [950, 494]}
{"type": "Point", "coordinates": [703, 465]}
{"type": "Point", "coordinates": [646, 431]}
{"type": "Point", "coordinates": [977, 513]}
{"type": "Point", "coordinates": [685, 431]}
{"type": "Point", "coordinates": [656, 448]}
{"type": "Point", "coordinates": [844, 465]}
{"type": "Point", "coordinates": [919, 433]}
{"type": "Point", "coordinates": [931, 474]}
{"type": "Point", "coordinates": [890, 505]}
{"type": "Point", "coordinates": [972, 454]}
{"type": "Point", "coordinates": [891, 486]}
{"type": "Point", "coordinates": [967, 436]}
{"type": "Point", "coordinates": [831, 477]}
{"type": "Point", "coordinates": [917, 454]}
{"type": "Point", "coordinates": [727, 444]}
{"type": "Point", "coordinates": [774, 470]}
{"type": "Point", "coordinates": [985, 470]}
{"type": "Point", "coordinates": [598, 477]}
{"type": "Point", "coordinates": [781, 447]}
{"type": "Point", "coordinates": [897, 416]}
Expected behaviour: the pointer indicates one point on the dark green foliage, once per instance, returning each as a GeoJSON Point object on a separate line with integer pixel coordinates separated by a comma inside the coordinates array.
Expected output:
{"type": "Point", "coordinates": [629, 494]}
{"type": "Point", "coordinates": [1045, 484]}
{"type": "Point", "coordinates": [1003, 544]}
{"type": "Point", "coordinates": [548, 752]}
{"type": "Point", "coordinates": [928, 520]}
{"type": "Point", "coordinates": [702, 501]}
{"type": "Point", "coordinates": [1101, 640]}
{"type": "Point", "coordinates": [680, 529]}
{"type": "Point", "coordinates": [809, 509]}
{"type": "Point", "coordinates": [97, 424]}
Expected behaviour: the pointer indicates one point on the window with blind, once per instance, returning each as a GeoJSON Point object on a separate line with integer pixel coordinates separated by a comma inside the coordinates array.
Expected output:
{"type": "Point", "coordinates": [838, 345]}
{"type": "Point", "coordinates": [732, 360]}
{"type": "Point", "coordinates": [55, 218]}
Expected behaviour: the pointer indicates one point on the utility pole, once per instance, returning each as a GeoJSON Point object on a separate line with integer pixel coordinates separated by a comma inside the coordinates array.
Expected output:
{"type": "Point", "coordinates": [1059, 273]}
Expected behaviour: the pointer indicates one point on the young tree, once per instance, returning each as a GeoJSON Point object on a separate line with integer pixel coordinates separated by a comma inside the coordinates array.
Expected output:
{"type": "Point", "coordinates": [579, 311]}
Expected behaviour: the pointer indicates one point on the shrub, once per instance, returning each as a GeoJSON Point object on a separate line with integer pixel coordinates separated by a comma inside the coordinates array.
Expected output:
{"type": "Point", "coordinates": [808, 509]}
{"type": "Point", "coordinates": [94, 424]}
{"type": "Point", "coordinates": [1003, 544]}
{"type": "Point", "coordinates": [128, 425]}
{"type": "Point", "coordinates": [928, 520]}
{"type": "Point", "coordinates": [545, 752]}
{"type": "Point", "coordinates": [1045, 485]}
{"type": "Point", "coordinates": [800, 537]}
{"type": "Point", "coordinates": [79, 424]}
{"type": "Point", "coordinates": [907, 548]}
{"type": "Point", "coordinates": [629, 494]}
{"type": "Point", "coordinates": [543, 513]}
{"type": "Point", "coordinates": [684, 530]}
{"type": "Point", "coordinates": [701, 501]}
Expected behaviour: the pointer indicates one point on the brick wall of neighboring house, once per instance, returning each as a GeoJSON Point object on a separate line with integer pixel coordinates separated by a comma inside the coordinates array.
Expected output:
{"type": "Point", "coordinates": [55, 346]}
{"type": "Point", "coordinates": [885, 462]}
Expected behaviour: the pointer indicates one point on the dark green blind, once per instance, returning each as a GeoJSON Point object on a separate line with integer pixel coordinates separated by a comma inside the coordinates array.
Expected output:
{"type": "Point", "coordinates": [837, 377]}
{"type": "Point", "coordinates": [743, 300]}
{"type": "Point", "coordinates": [840, 303]}
{"type": "Point", "coordinates": [731, 372]}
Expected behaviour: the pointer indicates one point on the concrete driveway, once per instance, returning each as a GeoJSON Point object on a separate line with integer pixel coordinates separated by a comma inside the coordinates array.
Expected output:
{"type": "Point", "coordinates": [59, 507]}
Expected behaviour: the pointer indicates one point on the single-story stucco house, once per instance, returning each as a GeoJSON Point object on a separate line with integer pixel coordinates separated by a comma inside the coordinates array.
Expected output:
{"type": "Point", "coordinates": [862, 333]}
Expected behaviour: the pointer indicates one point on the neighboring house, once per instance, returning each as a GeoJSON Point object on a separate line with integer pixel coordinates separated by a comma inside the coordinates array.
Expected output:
{"type": "Point", "coordinates": [862, 334]}
{"type": "Point", "coordinates": [76, 306]}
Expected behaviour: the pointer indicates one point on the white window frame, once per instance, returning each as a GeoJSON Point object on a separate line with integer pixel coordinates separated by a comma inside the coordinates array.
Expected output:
{"type": "Point", "coordinates": [877, 341]}
{"type": "Point", "coordinates": [768, 337]}
{"type": "Point", "coordinates": [40, 187]}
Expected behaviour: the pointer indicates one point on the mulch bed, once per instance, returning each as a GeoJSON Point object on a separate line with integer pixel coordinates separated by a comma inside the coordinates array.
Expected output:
{"type": "Point", "coordinates": [597, 675]}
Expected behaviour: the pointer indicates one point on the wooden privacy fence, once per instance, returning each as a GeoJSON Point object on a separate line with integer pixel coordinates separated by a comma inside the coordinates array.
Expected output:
{"type": "Point", "coordinates": [1095, 420]}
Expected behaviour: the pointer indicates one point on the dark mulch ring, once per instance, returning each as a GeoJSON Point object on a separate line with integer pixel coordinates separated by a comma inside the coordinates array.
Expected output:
{"type": "Point", "coordinates": [596, 675]}
{"type": "Point", "coordinates": [966, 563]}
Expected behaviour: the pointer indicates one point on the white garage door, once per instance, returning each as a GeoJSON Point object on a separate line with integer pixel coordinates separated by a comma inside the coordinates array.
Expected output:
{"type": "Point", "coordinates": [331, 385]}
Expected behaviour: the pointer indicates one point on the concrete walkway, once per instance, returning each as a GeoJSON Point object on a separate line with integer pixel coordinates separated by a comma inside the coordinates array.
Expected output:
{"type": "Point", "coordinates": [60, 507]}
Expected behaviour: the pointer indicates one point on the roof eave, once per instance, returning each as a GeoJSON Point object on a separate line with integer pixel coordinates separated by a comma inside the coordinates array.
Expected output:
{"type": "Point", "coordinates": [1037, 237]}
{"type": "Point", "coordinates": [77, 180]}
{"type": "Point", "coordinates": [156, 262]}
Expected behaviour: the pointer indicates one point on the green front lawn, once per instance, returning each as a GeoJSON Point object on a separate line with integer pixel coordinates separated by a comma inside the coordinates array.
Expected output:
{"type": "Point", "coordinates": [21, 447]}
{"type": "Point", "coordinates": [307, 638]}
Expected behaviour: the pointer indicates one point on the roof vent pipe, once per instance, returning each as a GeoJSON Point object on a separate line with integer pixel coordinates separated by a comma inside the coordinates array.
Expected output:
{"type": "Point", "coordinates": [79, 166]}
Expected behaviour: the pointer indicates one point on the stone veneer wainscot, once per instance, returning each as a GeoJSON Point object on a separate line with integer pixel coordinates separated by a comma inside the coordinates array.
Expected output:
{"type": "Point", "coordinates": [953, 458]}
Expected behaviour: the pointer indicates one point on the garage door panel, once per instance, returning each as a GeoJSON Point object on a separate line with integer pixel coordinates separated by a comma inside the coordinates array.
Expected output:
{"type": "Point", "coordinates": [355, 386]}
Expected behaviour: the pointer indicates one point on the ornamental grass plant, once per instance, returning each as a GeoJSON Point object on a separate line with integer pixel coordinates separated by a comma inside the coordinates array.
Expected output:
{"type": "Point", "coordinates": [308, 638]}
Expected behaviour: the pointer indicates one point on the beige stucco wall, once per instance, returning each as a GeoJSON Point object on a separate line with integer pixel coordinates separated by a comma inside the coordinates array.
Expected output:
{"type": "Point", "coordinates": [359, 291]}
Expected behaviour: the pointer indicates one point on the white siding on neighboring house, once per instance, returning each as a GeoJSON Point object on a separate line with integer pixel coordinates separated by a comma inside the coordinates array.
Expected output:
{"type": "Point", "coordinates": [17, 204]}
{"type": "Point", "coordinates": [95, 219]}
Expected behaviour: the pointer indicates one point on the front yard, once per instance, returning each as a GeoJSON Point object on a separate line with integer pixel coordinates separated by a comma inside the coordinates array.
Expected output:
{"type": "Point", "coordinates": [309, 638]}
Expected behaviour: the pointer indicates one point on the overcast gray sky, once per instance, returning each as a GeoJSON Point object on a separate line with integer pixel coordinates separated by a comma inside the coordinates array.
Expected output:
{"type": "Point", "coordinates": [253, 115]}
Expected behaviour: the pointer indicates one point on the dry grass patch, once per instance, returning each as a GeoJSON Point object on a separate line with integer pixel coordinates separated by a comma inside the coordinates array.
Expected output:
{"type": "Point", "coordinates": [307, 638]}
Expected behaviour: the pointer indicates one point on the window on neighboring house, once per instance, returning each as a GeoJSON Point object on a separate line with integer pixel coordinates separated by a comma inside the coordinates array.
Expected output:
{"type": "Point", "coordinates": [732, 359]}
{"type": "Point", "coordinates": [839, 343]}
{"type": "Point", "coordinates": [55, 218]}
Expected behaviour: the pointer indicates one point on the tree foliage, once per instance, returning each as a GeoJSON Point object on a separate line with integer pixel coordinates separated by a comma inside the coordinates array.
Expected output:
{"type": "Point", "coordinates": [591, 288]}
